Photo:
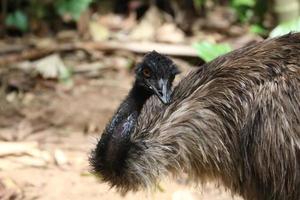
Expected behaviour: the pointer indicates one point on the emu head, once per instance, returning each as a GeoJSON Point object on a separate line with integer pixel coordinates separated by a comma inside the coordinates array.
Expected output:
{"type": "Point", "coordinates": [156, 74]}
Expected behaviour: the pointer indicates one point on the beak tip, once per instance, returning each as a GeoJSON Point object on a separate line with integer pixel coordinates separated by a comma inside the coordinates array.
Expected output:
{"type": "Point", "coordinates": [165, 100]}
{"type": "Point", "coordinates": [163, 92]}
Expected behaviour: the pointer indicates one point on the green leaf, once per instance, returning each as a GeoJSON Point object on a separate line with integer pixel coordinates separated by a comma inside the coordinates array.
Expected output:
{"type": "Point", "coordinates": [198, 3]}
{"type": "Point", "coordinates": [258, 29]}
{"type": "Point", "coordinates": [244, 9]}
{"type": "Point", "coordinates": [286, 27]}
{"type": "Point", "coordinates": [209, 51]}
{"type": "Point", "coordinates": [72, 7]}
{"type": "Point", "coordinates": [248, 3]}
{"type": "Point", "coordinates": [17, 19]}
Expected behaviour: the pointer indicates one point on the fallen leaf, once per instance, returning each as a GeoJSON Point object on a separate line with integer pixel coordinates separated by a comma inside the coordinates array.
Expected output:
{"type": "Point", "coordinates": [170, 33]}
{"type": "Point", "coordinates": [29, 161]}
{"type": "Point", "coordinates": [148, 25]}
{"type": "Point", "coordinates": [98, 31]}
{"type": "Point", "coordinates": [60, 158]}
{"type": "Point", "coordinates": [51, 66]}
{"type": "Point", "coordinates": [9, 190]}
{"type": "Point", "coordinates": [17, 148]}
{"type": "Point", "coordinates": [15, 155]}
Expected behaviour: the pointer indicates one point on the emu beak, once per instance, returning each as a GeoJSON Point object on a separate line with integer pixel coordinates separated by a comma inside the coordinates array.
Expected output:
{"type": "Point", "coordinates": [163, 92]}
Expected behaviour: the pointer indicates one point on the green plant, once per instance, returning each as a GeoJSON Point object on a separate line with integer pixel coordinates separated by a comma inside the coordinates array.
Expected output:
{"type": "Point", "coordinates": [37, 10]}
{"type": "Point", "coordinates": [17, 19]}
{"type": "Point", "coordinates": [72, 7]}
{"type": "Point", "coordinates": [199, 3]}
{"type": "Point", "coordinates": [249, 3]}
{"type": "Point", "coordinates": [244, 9]}
{"type": "Point", "coordinates": [209, 51]}
{"type": "Point", "coordinates": [258, 29]}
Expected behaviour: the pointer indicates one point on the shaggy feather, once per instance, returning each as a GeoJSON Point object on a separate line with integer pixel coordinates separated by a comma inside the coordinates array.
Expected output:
{"type": "Point", "coordinates": [235, 119]}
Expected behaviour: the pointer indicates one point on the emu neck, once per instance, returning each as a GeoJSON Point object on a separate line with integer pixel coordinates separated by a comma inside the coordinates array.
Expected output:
{"type": "Point", "coordinates": [112, 148]}
{"type": "Point", "coordinates": [131, 106]}
{"type": "Point", "coordinates": [136, 99]}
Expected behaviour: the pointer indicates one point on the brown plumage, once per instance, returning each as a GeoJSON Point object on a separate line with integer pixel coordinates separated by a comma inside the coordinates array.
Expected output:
{"type": "Point", "coordinates": [235, 120]}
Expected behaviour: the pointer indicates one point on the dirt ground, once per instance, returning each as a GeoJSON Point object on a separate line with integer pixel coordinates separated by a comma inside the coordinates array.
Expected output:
{"type": "Point", "coordinates": [65, 124]}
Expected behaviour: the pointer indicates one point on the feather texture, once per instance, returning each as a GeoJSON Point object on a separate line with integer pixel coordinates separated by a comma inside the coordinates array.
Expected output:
{"type": "Point", "coordinates": [235, 119]}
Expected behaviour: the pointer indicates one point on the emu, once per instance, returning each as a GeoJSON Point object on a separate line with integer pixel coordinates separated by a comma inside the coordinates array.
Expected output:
{"type": "Point", "coordinates": [154, 76]}
{"type": "Point", "coordinates": [235, 120]}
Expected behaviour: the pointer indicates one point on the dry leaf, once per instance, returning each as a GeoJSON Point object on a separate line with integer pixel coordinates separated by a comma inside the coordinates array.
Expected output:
{"type": "Point", "coordinates": [51, 66]}
{"type": "Point", "coordinates": [60, 158]}
{"type": "Point", "coordinates": [148, 25]}
{"type": "Point", "coordinates": [17, 155]}
{"type": "Point", "coordinates": [17, 148]}
{"type": "Point", "coordinates": [98, 31]}
{"type": "Point", "coordinates": [170, 33]}
{"type": "Point", "coordinates": [29, 161]}
{"type": "Point", "coordinates": [9, 190]}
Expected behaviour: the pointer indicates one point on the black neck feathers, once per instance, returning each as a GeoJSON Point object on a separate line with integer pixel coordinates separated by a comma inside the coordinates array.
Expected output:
{"type": "Point", "coordinates": [137, 97]}
{"type": "Point", "coordinates": [112, 148]}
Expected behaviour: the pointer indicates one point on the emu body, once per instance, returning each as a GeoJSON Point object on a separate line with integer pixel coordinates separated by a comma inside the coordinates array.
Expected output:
{"type": "Point", "coordinates": [235, 120]}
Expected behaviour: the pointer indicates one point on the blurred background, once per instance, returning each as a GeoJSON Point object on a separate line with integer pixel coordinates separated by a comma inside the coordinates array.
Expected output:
{"type": "Point", "coordinates": [65, 65]}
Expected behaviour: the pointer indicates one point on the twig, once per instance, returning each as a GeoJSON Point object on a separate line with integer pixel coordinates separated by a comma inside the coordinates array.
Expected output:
{"type": "Point", "coordinates": [17, 148]}
{"type": "Point", "coordinates": [33, 53]}
{"type": "Point", "coordinates": [13, 48]}
{"type": "Point", "coordinates": [137, 47]}
{"type": "Point", "coordinates": [144, 47]}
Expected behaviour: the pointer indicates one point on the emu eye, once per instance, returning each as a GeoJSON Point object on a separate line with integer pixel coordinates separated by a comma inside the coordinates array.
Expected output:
{"type": "Point", "coordinates": [146, 72]}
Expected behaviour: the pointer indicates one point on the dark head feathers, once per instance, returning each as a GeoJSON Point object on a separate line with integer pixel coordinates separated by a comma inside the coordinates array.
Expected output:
{"type": "Point", "coordinates": [155, 74]}
{"type": "Point", "coordinates": [159, 64]}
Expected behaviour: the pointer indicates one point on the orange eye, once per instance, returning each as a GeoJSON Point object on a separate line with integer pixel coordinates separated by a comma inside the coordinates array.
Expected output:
{"type": "Point", "coordinates": [146, 73]}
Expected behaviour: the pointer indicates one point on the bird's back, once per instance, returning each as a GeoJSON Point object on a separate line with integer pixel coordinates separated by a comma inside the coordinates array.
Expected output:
{"type": "Point", "coordinates": [271, 68]}
{"type": "Point", "coordinates": [241, 114]}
